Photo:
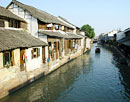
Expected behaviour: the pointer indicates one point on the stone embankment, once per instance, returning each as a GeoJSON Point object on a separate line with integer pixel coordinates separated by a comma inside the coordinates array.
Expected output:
{"type": "Point", "coordinates": [127, 60]}
{"type": "Point", "coordinates": [13, 79]}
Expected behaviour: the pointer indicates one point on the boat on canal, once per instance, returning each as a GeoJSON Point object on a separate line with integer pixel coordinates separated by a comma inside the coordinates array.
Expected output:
{"type": "Point", "coordinates": [97, 50]}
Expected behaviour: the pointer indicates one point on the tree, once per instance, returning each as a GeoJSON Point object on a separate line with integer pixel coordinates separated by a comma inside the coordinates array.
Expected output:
{"type": "Point", "coordinates": [89, 31]}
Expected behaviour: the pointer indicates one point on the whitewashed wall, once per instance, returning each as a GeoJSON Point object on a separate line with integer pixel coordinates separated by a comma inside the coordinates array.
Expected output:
{"type": "Point", "coordinates": [44, 38]}
{"type": "Point", "coordinates": [88, 43]}
{"type": "Point", "coordinates": [35, 63]}
{"type": "Point", "coordinates": [120, 35]}
{"type": "Point", "coordinates": [74, 31]}
{"type": "Point", "coordinates": [32, 23]}
{"type": "Point", "coordinates": [82, 43]}
{"type": "Point", "coordinates": [112, 33]}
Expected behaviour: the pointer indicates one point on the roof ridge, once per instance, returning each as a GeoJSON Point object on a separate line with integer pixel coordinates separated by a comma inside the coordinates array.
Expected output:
{"type": "Point", "coordinates": [4, 12]}
{"type": "Point", "coordinates": [34, 8]}
{"type": "Point", "coordinates": [40, 14]}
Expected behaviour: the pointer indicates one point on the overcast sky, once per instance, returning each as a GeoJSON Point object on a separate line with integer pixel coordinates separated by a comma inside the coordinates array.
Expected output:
{"type": "Point", "coordinates": [102, 15]}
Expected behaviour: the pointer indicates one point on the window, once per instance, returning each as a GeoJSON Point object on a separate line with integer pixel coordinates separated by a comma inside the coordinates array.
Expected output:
{"type": "Point", "coordinates": [69, 43]}
{"type": "Point", "coordinates": [8, 58]}
{"type": "Point", "coordinates": [38, 52]}
{"type": "Point", "coordinates": [14, 24]}
{"type": "Point", "coordinates": [1, 23]}
{"type": "Point", "coordinates": [54, 46]}
{"type": "Point", "coordinates": [56, 27]}
{"type": "Point", "coordinates": [10, 23]}
{"type": "Point", "coordinates": [35, 52]}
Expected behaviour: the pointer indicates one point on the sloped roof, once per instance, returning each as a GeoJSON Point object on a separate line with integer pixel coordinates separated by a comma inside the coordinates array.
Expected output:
{"type": "Point", "coordinates": [53, 34]}
{"type": "Point", "coordinates": [125, 41]}
{"type": "Point", "coordinates": [8, 14]}
{"type": "Point", "coordinates": [67, 21]}
{"type": "Point", "coordinates": [60, 35]}
{"type": "Point", "coordinates": [11, 39]}
{"type": "Point", "coordinates": [39, 14]}
{"type": "Point", "coordinates": [126, 30]}
{"type": "Point", "coordinates": [73, 36]}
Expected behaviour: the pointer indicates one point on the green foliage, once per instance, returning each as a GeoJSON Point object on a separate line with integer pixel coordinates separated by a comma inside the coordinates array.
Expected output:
{"type": "Point", "coordinates": [89, 31]}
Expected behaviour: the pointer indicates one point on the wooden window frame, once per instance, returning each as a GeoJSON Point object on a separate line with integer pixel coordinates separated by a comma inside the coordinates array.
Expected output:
{"type": "Point", "coordinates": [11, 58]}
{"type": "Point", "coordinates": [37, 53]}
{"type": "Point", "coordinates": [2, 21]}
{"type": "Point", "coordinates": [14, 23]}
{"type": "Point", "coordinates": [55, 47]}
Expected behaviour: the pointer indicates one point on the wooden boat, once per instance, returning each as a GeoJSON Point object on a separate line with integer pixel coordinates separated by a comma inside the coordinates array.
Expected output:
{"type": "Point", "coordinates": [97, 50]}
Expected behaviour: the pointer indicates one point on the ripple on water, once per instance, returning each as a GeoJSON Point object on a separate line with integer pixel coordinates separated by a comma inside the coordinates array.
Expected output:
{"type": "Point", "coordinates": [89, 78]}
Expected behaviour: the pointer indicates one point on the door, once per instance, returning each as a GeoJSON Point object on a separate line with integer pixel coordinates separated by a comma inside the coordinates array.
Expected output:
{"type": "Point", "coordinates": [65, 47]}
{"type": "Point", "coordinates": [43, 55]}
{"type": "Point", "coordinates": [22, 60]}
{"type": "Point", "coordinates": [57, 50]}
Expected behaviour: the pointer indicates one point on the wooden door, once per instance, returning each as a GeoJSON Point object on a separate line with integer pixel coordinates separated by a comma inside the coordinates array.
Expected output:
{"type": "Point", "coordinates": [22, 60]}
{"type": "Point", "coordinates": [68, 46]}
{"type": "Point", "coordinates": [43, 55]}
{"type": "Point", "coordinates": [57, 50]}
{"type": "Point", "coordinates": [52, 54]}
{"type": "Point", "coordinates": [65, 47]}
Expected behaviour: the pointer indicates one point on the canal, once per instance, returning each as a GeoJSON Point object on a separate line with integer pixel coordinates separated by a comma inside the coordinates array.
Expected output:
{"type": "Point", "coordinates": [89, 78]}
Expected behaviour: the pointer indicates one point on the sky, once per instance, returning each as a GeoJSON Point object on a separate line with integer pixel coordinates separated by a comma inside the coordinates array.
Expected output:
{"type": "Point", "coordinates": [102, 15]}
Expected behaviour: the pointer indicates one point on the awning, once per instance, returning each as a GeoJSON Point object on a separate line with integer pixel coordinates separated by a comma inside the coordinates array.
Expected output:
{"type": "Point", "coordinates": [53, 34]}
{"type": "Point", "coordinates": [125, 41]}
{"type": "Point", "coordinates": [73, 36]}
{"type": "Point", "coordinates": [11, 39]}
{"type": "Point", "coordinates": [60, 35]}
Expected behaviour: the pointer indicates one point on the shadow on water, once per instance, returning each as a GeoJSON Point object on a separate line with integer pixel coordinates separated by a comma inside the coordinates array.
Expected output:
{"type": "Point", "coordinates": [124, 73]}
{"type": "Point", "coordinates": [89, 78]}
{"type": "Point", "coordinates": [51, 87]}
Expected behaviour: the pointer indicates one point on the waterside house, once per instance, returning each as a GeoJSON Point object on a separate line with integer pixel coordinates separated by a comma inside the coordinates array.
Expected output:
{"type": "Point", "coordinates": [58, 34]}
{"type": "Point", "coordinates": [20, 52]}
{"type": "Point", "coordinates": [44, 26]}
{"type": "Point", "coordinates": [34, 43]}
{"type": "Point", "coordinates": [84, 42]}
{"type": "Point", "coordinates": [123, 42]}
{"type": "Point", "coordinates": [108, 38]}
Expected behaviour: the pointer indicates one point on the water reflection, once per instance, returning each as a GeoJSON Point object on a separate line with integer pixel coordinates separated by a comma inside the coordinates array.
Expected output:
{"type": "Point", "coordinates": [52, 87]}
{"type": "Point", "coordinates": [124, 74]}
{"type": "Point", "coordinates": [89, 78]}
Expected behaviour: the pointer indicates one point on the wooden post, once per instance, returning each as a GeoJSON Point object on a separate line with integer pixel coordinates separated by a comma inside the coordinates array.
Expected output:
{"type": "Point", "coordinates": [66, 47]}
{"type": "Point", "coordinates": [22, 61]}
{"type": "Point", "coordinates": [52, 51]}
{"type": "Point", "coordinates": [13, 63]}
{"type": "Point", "coordinates": [59, 43]}
{"type": "Point", "coordinates": [43, 54]}
{"type": "Point", "coordinates": [57, 51]}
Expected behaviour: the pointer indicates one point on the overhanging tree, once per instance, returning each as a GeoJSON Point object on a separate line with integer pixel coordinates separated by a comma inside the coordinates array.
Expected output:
{"type": "Point", "coordinates": [89, 31]}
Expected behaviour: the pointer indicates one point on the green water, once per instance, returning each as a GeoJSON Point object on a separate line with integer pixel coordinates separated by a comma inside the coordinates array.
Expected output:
{"type": "Point", "coordinates": [89, 78]}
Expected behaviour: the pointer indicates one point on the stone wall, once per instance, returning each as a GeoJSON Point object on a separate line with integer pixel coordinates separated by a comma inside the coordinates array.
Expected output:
{"type": "Point", "coordinates": [12, 78]}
